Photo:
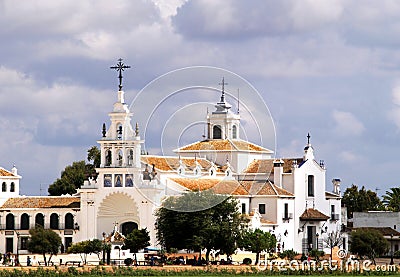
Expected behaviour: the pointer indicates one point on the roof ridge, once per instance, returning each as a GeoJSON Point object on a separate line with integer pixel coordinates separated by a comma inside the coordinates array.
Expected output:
{"type": "Point", "coordinates": [233, 144]}
{"type": "Point", "coordinates": [273, 187]}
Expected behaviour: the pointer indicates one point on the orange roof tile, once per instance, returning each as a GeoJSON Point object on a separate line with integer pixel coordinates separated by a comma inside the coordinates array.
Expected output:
{"type": "Point", "coordinates": [313, 214]}
{"type": "Point", "coordinates": [42, 202]}
{"type": "Point", "coordinates": [4, 172]}
{"type": "Point", "coordinates": [267, 222]}
{"type": "Point", "coordinates": [172, 163]}
{"type": "Point", "coordinates": [232, 187]}
{"type": "Point", "coordinates": [267, 165]}
{"type": "Point", "coordinates": [218, 186]}
{"type": "Point", "coordinates": [264, 188]}
{"type": "Point", "coordinates": [223, 145]}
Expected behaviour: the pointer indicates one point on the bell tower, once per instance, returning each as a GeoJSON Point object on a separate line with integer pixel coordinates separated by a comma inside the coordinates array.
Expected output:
{"type": "Point", "coordinates": [120, 145]}
{"type": "Point", "coordinates": [223, 123]}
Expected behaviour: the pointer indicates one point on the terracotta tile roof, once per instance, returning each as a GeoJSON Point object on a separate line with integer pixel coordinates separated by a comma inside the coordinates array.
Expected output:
{"type": "Point", "coordinates": [311, 214]}
{"type": "Point", "coordinates": [232, 187]}
{"type": "Point", "coordinates": [42, 202]}
{"type": "Point", "coordinates": [267, 222]}
{"type": "Point", "coordinates": [264, 188]}
{"type": "Point", "coordinates": [219, 186]}
{"type": "Point", "coordinates": [224, 145]}
{"type": "Point", "coordinates": [385, 231]}
{"type": "Point", "coordinates": [172, 163]}
{"type": "Point", "coordinates": [267, 165]}
{"type": "Point", "coordinates": [4, 172]}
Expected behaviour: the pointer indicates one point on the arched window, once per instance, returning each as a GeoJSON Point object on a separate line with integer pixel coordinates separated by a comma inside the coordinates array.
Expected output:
{"type": "Point", "coordinates": [234, 132]}
{"type": "Point", "coordinates": [69, 221]}
{"type": "Point", "coordinates": [12, 187]}
{"type": "Point", "coordinates": [119, 157]}
{"type": "Point", "coordinates": [108, 157]}
{"type": "Point", "coordinates": [39, 220]}
{"type": "Point", "coordinates": [54, 221]}
{"type": "Point", "coordinates": [10, 224]}
{"type": "Point", "coordinates": [24, 222]}
{"type": "Point", "coordinates": [4, 187]}
{"type": "Point", "coordinates": [130, 157]}
{"type": "Point", "coordinates": [217, 133]}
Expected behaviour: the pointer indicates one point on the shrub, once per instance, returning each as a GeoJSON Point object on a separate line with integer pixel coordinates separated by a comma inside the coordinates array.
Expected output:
{"type": "Point", "coordinates": [128, 261]}
{"type": "Point", "coordinates": [288, 254]}
{"type": "Point", "coordinates": [247, 261]}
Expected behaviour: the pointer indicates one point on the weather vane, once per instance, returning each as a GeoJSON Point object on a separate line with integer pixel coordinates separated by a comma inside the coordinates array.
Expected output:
{"type": "Point", "coordinates": [120, 67]}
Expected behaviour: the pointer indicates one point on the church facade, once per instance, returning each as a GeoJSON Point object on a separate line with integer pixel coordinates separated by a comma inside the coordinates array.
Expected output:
{"type": "Point", "coordinates": [285, 196]}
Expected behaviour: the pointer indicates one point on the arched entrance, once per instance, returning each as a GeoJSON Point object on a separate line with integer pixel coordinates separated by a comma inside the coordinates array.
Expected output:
{"type": "Point", "coordinates": [128, 227]}
{"type": "Point", "coordinates": [117, 208]}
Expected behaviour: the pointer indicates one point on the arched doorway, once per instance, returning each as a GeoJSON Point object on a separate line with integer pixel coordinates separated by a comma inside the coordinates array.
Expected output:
{"type": "Point", "coordinates": [128, 227]}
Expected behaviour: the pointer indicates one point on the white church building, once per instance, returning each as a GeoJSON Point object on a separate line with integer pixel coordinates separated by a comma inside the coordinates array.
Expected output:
{"type": "Point", "coordinates": [285, 196]}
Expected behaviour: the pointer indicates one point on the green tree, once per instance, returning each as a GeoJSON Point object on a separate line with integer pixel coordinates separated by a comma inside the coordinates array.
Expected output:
{"type": "Point", "coordinates": [93, 155]}
{"type": "Point", "coordinates": [392, 199]}
{"type": "Point", "coordinates": [137, 239]}
{"type": "Point", "coordinates": [368, 242]}
{"type": "Point", "coordinates": [73, 176]}
{"type": "Point", "coordinates": [257, 241]}
{"type": "Point", "coordinates": [360, 200]}
{"type": "Point", "coordinates": [214, 228]}
{"type": "Point", "coordinates": [86, 247]}
{"type": "Point", "coordinates": [43, 241]}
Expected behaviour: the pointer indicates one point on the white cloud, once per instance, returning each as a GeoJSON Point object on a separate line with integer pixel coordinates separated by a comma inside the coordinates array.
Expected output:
{"type": "Point", "coordinates": [347, 124]}
{"type": "Point", "coordinates": [394, 113]}
{"type": "Point", "coordinates": [348, 156]}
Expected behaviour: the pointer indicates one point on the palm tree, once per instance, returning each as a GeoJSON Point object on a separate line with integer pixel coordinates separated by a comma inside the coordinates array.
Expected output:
{"type": "Point", "coordinates": [392, 199]}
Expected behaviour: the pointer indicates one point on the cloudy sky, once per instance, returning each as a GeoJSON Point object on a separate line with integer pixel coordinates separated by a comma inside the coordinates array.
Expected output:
{"type": "Point", "coordinates": [330, 68]}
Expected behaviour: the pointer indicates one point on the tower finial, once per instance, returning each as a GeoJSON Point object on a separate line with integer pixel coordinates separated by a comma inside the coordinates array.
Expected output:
{"type": "Point", "coordinates": [137, 129]}
{"type": "Point", "coordinates": [223, 89]}
{"type": "Point", "coordinates": [238, 102]}
{"type": "Point", "coordinates": [104, 132]}
{"type": "Point", "coordinates": [120, 67]}
{"type": "Point", "coordinates": [308, 138]}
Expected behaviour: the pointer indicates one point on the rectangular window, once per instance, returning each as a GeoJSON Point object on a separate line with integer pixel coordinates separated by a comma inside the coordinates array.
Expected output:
{"type": "Point", "coordinates": [107, 180]}
{"type": "Point", "coordinates": [129, 180]}
{"type": "Point", "coordinates": [261, 208]}
{"type": "Point", "coordinates": [286, 211]}
{"type": "Point", "coordinates": [334, 216]}
{"type": "Point", "coordinates": [243, 208]}
{"type": "Point", "coordinates": [310, 184]}
{"type": "Point", "coordinates": [23, 243]}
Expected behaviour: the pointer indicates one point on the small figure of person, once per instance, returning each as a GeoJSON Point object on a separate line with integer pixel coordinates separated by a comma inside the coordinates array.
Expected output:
{"type": "Point", "coordinates": [28, 261]}
{"type": "Point", "coordinates": [34, 262]}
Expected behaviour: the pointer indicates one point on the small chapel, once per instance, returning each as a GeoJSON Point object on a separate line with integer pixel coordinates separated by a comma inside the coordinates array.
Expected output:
{"type": "Point", "coordinates": [286, 196]}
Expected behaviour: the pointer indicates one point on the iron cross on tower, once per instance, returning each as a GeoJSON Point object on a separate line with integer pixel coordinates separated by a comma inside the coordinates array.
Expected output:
{"type": "Point", "coordinates": [120, 67]}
